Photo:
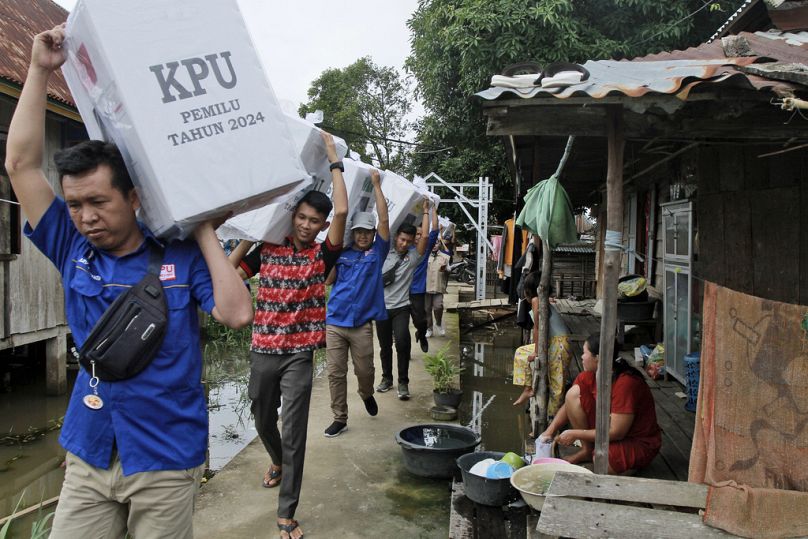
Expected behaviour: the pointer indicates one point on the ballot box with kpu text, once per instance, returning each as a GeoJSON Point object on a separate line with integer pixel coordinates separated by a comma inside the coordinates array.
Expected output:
{"type": "Point", "coordinates": [178, 86]}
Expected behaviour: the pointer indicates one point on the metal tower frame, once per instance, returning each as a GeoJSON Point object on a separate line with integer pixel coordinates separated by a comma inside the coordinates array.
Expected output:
{"type": "Point", "coordinates": [485, 194]}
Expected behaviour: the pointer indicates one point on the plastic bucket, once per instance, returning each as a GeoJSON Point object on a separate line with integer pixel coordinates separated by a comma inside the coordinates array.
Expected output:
{"type": "Point", "coordinates": [494, 492]}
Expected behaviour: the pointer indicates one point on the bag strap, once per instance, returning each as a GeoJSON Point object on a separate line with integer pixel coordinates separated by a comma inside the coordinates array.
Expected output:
{"type": "Point", "coordinates": [156, 253]}
{"type": "Point", "coordinates": [399, 261]}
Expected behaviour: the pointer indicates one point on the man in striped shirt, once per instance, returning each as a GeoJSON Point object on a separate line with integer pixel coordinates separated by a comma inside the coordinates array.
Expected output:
{"type": "Point", "coordinates": [289, 325]}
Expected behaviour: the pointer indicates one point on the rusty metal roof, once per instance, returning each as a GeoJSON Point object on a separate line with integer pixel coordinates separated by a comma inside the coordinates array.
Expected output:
{"type": "Point", "coordinates": [20, 21]}
{"type": "Point", "coordinates": [678, 72]}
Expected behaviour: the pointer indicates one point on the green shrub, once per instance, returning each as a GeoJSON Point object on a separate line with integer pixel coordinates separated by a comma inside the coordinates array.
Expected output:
{"type": "Point", "coordinates": [443, 369]}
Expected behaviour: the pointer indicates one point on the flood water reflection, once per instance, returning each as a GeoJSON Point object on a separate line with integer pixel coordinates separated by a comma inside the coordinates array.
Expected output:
{"type": "Point", "coordinates": [487, 355]}
{"type": "Point", "coordinates": [33, 466]}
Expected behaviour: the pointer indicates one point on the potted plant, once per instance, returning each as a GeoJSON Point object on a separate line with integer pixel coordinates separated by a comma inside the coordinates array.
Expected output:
{"type": "Point", "coordinates": [444, 371]}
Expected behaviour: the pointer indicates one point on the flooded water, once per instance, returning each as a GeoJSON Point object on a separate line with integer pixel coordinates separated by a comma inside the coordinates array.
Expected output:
{"type": "Point", "coordinates": [227, 370]}
{"type": "Point", "coordinates": [30, 454]}
{"type": "Point", "coordinates": [488, 391]}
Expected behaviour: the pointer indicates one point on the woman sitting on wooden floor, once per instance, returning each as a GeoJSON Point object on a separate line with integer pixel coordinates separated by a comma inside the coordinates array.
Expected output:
{"type": "Point", "coordinates": [634, 435]}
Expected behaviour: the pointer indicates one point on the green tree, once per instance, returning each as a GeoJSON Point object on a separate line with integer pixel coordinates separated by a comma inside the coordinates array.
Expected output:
{"type": "Point", "coordinates": [457, 45]}
{"type": "Point", "coordinates": [366, 105]}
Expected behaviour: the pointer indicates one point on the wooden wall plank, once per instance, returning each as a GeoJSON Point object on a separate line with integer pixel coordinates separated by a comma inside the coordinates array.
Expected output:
{"type": "Point", "coordinates": [785, 169]}
{"type": "Point", "coordinates": [708, 176]}
{"type": "Point", "coordinates": [711, 264]}
{"type": "Point", "coordinates": [36, 298]}
{"type": "Point", "coordinates": [731, 168]}
{"type": "Point", "coordinates": [737, 243]}
{"type": "Point", "coordinates": [775, 233]}
{"type": "Point", "coordinates": [568, 517]}
{"type": "Point", "coordinates": [629, 489]}
{"type": "Point", "coordinates": [756, 168]}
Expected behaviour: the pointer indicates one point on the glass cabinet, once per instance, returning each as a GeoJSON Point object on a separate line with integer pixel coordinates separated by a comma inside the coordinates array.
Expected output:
{"type": "Point", "coordinates": [682, 325]}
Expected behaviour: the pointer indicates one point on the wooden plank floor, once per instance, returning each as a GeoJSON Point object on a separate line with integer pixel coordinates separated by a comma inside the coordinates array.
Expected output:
{"type": "Point", "coordinates": [676, 423]}
{"type": "Point", "coordinates": [470, 521]}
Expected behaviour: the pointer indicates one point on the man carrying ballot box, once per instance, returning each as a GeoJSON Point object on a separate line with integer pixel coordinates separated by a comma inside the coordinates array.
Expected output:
{"type": "Point", "coordinates": [400, 265]}
{"type": "Point", "coordinates": [289, 325]}
{"type": "Point", "coordinates": [135, 446]}
{"type": "Point", "coordinates": [356, 299]}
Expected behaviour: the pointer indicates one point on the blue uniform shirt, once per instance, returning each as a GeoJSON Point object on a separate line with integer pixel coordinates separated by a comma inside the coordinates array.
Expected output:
{"type": "Point", "coordinates": [158, 420]}
{"type": "Point", "coordinates": [358, 293]}
{"type": "Point", "coordinates": [418, 285]}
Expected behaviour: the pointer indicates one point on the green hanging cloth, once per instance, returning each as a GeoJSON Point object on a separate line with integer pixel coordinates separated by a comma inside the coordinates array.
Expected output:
{"type": "Point", "coordinates": [548, 213]}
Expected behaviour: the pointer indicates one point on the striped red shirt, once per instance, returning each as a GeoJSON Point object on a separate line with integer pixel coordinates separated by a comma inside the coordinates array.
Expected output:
{"type": "Point", "coordinates": [290, 305]}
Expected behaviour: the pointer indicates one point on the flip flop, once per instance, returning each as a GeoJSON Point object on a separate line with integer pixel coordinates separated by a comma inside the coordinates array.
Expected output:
{"type": "Point", "coordinates": [289, 528]}
{"type": "Point", "coordinates": [273, 475]}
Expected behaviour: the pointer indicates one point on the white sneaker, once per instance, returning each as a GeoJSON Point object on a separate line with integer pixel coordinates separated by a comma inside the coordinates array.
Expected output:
{"type": "Point", "coordinates": [441, 332]}
{"type": "Point", "coordinates": [428, 333]}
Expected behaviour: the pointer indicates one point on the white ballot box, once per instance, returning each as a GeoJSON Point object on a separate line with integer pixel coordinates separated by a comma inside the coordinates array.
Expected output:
{"type": "Point", "coordinates": [360, 195]}
{"type": "Point", "coordinates": [405, 202]}
{"type": "Point", "coordinates": [311, 147]}
{"type": "Point", "coordinates": [271, 223]}
{"type": "Point", "coordinates": [179, 88]}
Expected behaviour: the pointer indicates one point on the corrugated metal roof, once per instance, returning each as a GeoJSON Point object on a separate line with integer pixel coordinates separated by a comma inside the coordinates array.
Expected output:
{"type": "Point", "coordinates": [577, 248]}
{"type": "Point", "coordinates": [732, 18]}
{"type": "Point", "coordinates": [20, 21]}
{"type": "Point", "coordinates": [678, 72]}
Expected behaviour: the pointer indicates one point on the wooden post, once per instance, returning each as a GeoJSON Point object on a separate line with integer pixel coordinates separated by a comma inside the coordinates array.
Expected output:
{"type": "Point", "coordinates": [56, 365]}
{"type": "Point", "coordinates": [611, 268]}
{"type": "Point", "coordinates": [540, 368]}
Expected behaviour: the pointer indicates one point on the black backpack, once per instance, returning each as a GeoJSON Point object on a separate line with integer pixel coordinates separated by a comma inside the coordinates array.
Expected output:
{"type": "Point", "coordinates": [128, 335]}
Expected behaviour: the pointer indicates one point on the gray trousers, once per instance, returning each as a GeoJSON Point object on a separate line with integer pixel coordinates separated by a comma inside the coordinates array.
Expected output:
{"type": "Point", "coordinates": [288, 376]}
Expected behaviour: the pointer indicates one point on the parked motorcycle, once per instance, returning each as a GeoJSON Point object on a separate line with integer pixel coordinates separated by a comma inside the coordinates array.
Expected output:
{"type": "Point", "coordinates": [462, 271]}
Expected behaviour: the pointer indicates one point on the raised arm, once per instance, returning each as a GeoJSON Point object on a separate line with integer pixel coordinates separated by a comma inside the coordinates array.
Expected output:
{"type": "Point", "coordinates": [26, 134]}
{"type": "Point", "coordinates": [383, 227]}
{"type": "Point", "coordinates": [237, 254]}
{"type": "Point", "coordinates": [233, 303]}
{"type": "Point", "coordinates": [339, 194]}
{"type": "Point", "coordinates": [422, 243]}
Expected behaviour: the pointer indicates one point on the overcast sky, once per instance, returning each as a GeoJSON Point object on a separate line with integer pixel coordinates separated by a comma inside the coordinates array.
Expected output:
{"type": "Point", "coordinates": [298, 39]}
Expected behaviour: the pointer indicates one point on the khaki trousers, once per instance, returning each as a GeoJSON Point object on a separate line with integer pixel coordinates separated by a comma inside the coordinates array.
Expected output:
{"type": "Point", "coordinates": [360, 342]}
{"type": "Point", "coordinates": [104, 504]}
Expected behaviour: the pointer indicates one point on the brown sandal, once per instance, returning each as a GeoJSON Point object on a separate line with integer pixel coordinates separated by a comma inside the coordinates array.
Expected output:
{"type": "Point", "coordinates": [272, 478]}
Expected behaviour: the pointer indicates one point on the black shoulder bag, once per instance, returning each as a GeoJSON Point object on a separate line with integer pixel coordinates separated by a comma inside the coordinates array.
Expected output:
{"type": "Point", "coordinates": [389, 276]}
{"type": "Point", "coordinates": [128, 335]}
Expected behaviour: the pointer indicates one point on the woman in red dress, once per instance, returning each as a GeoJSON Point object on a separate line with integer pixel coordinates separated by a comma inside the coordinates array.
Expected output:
{"type": "Point", "coordinates": [634, 435]}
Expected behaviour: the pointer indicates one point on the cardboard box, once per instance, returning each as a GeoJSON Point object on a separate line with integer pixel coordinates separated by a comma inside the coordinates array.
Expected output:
{"type": "Point", "coordinates": [310, 145]}
{"type": "Point", "coordinates": [179, 88]}
{"type": "Point", "coordinates": [360, 195]}
{"type": "Point", "coordinates": [271, 223]}
{"type": "Point", "coordinates": [404, 201]}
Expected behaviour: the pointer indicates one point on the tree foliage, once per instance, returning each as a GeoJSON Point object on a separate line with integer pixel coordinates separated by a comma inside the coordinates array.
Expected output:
{"type": "Point", "coordinates": [366, 105]}
{"type": "Point", "coordinates": [457, 45]}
